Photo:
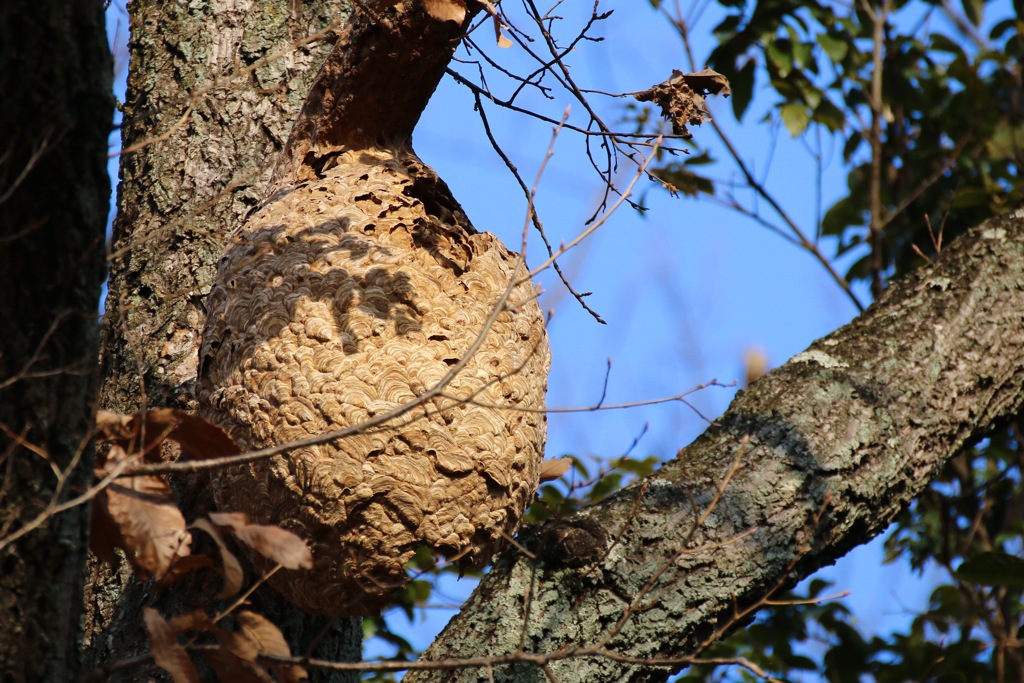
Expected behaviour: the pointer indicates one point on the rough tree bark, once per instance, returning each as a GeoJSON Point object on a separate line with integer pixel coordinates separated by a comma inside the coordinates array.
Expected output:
{"type": "Point", "coordinates": [54, 194]}
{"type": "Point", "coordinates": [213, 90]}
{"type": "Point", "coordinates": [852, 430]}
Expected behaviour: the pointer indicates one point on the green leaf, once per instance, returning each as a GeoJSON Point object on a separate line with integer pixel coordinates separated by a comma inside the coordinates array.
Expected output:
{"type": "Point", "coordinates": [780, 56]}
{"type": "Point", "coordinates": [608, 484]}
{"type": "Point", "coordinates": [945, 44]}
{"type": "Point", "coordinates": [811, 94]}
{"type": "Point", "coordinates": [835, 48]}
{"type": "Point", "coordinates": [844, 213]}
{"type": "Point", "coordinates": [640, 468]}
{"type": "Point", "coordinates": [742, 84]}
{"type": "Point", "coordinates": [795, 117]}
{"type": "Point", "coordinates": [993, 569]}
{"type": "Point", "coordinates": [803, 56]}
{"type": "Point", "coordinates": [830, 116]}
{"type": "Point", "coordinates": [1006, 25]}
{"type": "Point", "coordinates": [728, 26]}
{"type": "Point", "coordinates": [852, 144]}
{"type": "Point", "coordinates": [974, 9]}
{"type": "Point", "coordinates": [971, 197]}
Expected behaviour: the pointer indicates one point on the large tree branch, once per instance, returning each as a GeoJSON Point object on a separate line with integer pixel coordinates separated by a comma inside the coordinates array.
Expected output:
{"type": "Point", "coordinates": [831, 447]}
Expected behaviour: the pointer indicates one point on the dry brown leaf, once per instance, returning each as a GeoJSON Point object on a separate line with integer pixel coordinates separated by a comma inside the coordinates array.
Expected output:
{"type": "Point", "coordinates": [196, 620]}
{"type": "Point", "coordinates": [446, 10]}
{"type": "Point", "coordinates": [553, 469]}
{"type": "Point", "coordinates": [142, 433]}
{"type": "Point", "coordinates": [145, 522]}
{"type": "Point", "coordinates": [262, 633]}
{"type": "Point", "coordinates": [113, 426]}
{"type": "Point", "coordinates": [198, 438]}
{"type": "Point", "coordinates": [181, 566]}
{"type": "Point", "coordinates": [681, 97]}
{"type": "Point", "coordinates": [498, 35]}
{"type": "Point", "coordinates": [268, 640]}
{"type": "Point", "coordinates": [231, 570]}
{"type": "Point", "coordinates": [231, 669]}
{"type": "Point", "coordinates": [168, 653]}
{"type": "Point", "coordinates": [274, 543]}
{"type": "Point", "coordinates": [239, 645]}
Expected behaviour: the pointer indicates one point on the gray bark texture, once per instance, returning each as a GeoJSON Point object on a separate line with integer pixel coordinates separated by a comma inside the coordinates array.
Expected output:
{"type": "Point", "coordinates": [213, 90]}
{"type": "Point", "coordinates": [830, 447]}
{"type": "Point", "coordinates": [55, 114]}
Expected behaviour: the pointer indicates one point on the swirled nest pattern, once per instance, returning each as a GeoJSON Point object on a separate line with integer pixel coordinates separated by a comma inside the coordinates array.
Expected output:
{"type": "Point", "coordinates": [341, 299]}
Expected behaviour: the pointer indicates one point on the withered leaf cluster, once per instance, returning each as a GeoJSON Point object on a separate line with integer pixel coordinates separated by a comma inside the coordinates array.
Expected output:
{"type": "Point", "coordinates": [238, 659]}
{"type": "Point", "coordinates": [139, 516]}
{"type": "Point", "coordinates": [682, 97]}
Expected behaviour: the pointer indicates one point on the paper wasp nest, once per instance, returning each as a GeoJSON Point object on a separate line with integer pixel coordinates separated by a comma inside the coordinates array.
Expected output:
{"type": "Point", "coordinates": [343, 298]}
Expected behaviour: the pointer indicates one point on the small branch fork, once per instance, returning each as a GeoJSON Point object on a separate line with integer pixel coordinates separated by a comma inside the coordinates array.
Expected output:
{"type": "Point", "coordinates": [540, 45]}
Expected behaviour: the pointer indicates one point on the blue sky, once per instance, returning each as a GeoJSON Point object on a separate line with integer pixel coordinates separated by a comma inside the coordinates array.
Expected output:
{"type": "Point", "coordinates": [686, 288]}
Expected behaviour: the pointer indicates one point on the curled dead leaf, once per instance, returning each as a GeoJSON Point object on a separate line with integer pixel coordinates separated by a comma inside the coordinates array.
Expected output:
{"type": "Point", "coordinates": [553, 469]}
{"type": "Point", "coordinates": [446, 10]}
{"type": "Point", "coordinates": [140, 516]}
{"type": "Point", "coordinates": [274, 543]}
{"type": "Point", "coordinates": [231, 569]}
{"type": "Point", "coordinates": [142, 434]}
{"type": "Point", "coordinates": [266, 638]}
{"type": "Point", "coordinates": [168, 653]}
{"type": "Point", "coordinates": [682, 97]}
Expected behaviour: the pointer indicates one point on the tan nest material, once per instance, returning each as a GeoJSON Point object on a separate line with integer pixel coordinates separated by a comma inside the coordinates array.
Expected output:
{"type": "Point", "coordinates": [344, 298]}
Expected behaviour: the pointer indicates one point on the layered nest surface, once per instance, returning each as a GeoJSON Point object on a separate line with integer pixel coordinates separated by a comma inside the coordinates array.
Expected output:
{"type": "Point", "coordinates": [341, 299]}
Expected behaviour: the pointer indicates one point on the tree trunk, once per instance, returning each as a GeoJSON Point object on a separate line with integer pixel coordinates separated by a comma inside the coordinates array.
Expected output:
{"type": "Point", "coordinates": [829, 448]}
{"type": "Point", "coordinates": [55, 73]}
{"type": "Point", "coordinates": [213, 90]}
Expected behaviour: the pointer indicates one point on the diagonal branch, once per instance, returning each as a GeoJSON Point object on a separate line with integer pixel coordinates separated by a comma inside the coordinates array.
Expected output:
{"type": "Point", "coordinates": [864, 418]}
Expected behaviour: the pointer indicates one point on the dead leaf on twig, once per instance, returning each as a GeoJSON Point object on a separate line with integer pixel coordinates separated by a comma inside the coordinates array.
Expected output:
{"type": "Point", "coordinates": [196, 620]}
{"type": "Point", "coordinates": [168, 653]}
{"type": "Point", "coordinates": [682, 97]}
{"type": "Point", "coordinates": [553, 469]}
{"type": "Point", "coordinates": [446, 10]}
{"type": "Point", "coordinates": [272, 542]}
{"type": "Point", "coordinates": [231, 569]}
{"type": "Point", "coordinates": [142, 433]}
{"type": "Point", "coordinates": [263, 637]}
{"type": "Point", "coordinates": [140, 516]}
